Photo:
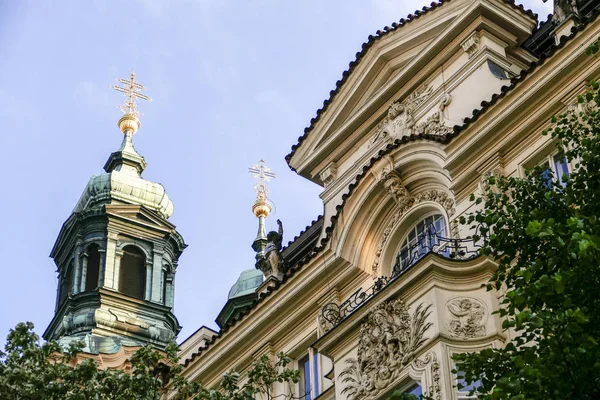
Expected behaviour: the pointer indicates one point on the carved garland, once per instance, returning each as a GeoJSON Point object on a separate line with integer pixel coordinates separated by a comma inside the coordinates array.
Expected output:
{"type": "Point", "coordinates": [438, 196]}
{"type": "Point", "coordinates": [388, 341]}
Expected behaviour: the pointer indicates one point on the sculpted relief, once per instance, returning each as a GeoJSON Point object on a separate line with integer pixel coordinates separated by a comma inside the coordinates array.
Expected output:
{"type": "Point", "coordinates": [400, 120]}
{"type": "Point", "coordinates": [467, 317]}
{"type": "Point", "coordinates": [388, 341]}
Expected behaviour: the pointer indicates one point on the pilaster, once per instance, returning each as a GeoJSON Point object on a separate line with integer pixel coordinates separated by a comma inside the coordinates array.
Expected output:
{"type": "Point", "coordinates": [157, 274]}
{"type": "Point", "coordinates": [110, 260]}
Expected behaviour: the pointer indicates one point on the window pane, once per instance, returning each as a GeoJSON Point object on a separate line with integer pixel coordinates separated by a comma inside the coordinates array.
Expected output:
{"type": "Point", "coordinates": [546, 178]}
{"type": "Point", "coordinates": [305, 386]}
{"type": "Point", "coordinates": [416, 390]}
{"type": "Point", "coordinates": [561, 167]}
{"type": "Point", "coordinates": [316, 374]}
{"type": "Point", "coordinates": [466, 388]}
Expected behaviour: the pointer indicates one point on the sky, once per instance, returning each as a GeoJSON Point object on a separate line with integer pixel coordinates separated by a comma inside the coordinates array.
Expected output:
{"type": "Point", "coordinates": [231, 82]}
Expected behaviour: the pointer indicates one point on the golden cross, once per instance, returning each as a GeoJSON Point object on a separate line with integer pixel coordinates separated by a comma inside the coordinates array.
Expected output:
{"type": "Point", "coordinates": [264, 175]}
{"type": "Point", "coordinates": [132, 92]}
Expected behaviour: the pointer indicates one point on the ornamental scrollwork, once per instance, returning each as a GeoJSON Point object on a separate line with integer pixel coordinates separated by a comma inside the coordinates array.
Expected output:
{"type": "Point", "coordinates": [400, 120]}
{"type": "Point", "coordinates": [435, 388]}
{"type": "Point", "coordinates": [388, 341]}
{"type": "Point", "coordinates": [467, 317]}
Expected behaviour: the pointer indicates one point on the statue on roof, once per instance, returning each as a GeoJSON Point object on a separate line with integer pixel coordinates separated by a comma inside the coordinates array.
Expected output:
{"type": "Point", "coordinates": [271, 262]}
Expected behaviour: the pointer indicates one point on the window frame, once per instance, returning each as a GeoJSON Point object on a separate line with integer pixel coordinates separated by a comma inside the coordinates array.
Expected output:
{"type": "Point", "coordinates": [312, 357]}
{"type": "Point", "coordinates": [404, 242]}
{"type": "Point", "coordinates": [550, 162]}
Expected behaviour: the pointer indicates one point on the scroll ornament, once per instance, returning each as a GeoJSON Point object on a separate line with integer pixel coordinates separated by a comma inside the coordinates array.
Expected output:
{"type": "Point", "coordinates": [388, 341]}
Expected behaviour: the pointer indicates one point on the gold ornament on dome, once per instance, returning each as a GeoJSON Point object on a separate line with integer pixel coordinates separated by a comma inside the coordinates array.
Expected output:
{"type": "Point", "coordinates": [132, 91]}
{"type": "Point", "coordinates": [263, 174]}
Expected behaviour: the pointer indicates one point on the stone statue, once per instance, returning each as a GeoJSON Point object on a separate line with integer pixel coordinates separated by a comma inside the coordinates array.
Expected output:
{"type": "Point", "coordinates": [563, 9]}
{"type": "Point", "coordinates": [271, 263]}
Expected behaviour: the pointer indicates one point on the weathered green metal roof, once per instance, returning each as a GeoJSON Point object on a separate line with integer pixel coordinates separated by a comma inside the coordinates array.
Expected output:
{"type": "Point", "coordinates": [247, 283]}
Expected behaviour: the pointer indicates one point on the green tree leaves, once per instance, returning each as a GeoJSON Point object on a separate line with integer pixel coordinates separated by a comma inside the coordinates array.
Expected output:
{"type": "Point", "coordinates": [546, 241]}
{"type": "Point", "coordinates": [33, 371]}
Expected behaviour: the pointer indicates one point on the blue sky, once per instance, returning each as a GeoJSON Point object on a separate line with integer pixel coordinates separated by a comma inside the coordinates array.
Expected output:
{"type": "Point", "coordinates": [232, 82]}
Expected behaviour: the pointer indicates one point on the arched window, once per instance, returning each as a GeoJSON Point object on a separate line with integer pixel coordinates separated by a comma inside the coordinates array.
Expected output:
{"type": "Point", "coordinates": [93, 268]}
{"type": "Point", "coordinates": [66, 280]}
{"type": "Point", "coordinates": [420, 239]}
{"type": "Point", "coordinates": [132, 272]}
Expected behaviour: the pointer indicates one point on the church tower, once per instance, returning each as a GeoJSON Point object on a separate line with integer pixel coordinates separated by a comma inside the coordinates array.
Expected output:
{"type": "Point", "coordinates": [117, 254]}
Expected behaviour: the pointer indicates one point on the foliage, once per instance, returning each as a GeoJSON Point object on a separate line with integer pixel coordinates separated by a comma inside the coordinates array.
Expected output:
{"type": "Point", "coordinates": [546, 241]}
{"type": "Point", "coordinates": [398, 395]}
{"type": "Point", "coordinates": [33, 371]}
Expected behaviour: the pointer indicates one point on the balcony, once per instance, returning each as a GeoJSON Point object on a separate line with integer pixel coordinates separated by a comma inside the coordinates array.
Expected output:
{"type": "Point", "coordinates": [430, 241]}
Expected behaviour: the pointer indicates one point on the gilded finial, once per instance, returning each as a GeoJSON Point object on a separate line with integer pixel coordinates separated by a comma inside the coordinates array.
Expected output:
{"type": "Point", "coordinates": [263, 174]}
{"type": "Point", "coordinates": [132, 91]}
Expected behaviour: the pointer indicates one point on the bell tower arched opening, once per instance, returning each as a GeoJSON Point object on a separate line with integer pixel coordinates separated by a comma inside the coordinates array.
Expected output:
{"type": "Point", "coordinates": [132, 273]}
{"type": "Point", "coordinates": [93, 268]}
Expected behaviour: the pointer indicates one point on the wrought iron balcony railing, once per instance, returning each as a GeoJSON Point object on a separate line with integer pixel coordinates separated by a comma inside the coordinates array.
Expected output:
{"type": "Point", "coordinates": [429, 241]}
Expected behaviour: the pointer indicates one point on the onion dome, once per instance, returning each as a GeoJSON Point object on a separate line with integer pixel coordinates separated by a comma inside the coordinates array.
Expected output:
{"type": "Point", "coordinates": [122, 182]}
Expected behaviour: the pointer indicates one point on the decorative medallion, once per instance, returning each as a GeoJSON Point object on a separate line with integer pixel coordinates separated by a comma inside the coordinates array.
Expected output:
{"type": "Point", "coordinates": [467, 317]}
{"type": "Point", "coordinates": [388, 341]}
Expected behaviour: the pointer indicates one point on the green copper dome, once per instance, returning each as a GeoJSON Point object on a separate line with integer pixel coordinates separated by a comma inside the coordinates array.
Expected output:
{"type": "Point", "coordinates": [247, 283]}
{"type": "Point", "coordinates": [123, 183]}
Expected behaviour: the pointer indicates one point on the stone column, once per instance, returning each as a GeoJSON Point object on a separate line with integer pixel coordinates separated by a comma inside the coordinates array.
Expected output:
{"type": "Point", "coordinates": [110, 259]}
{"type": "Point", "coordinates": [149, 273]}
{"type": "Point", "coordinates": [75, 284]}
{"type": "Point", "coordinates": [102, 266]}
{"type": "Point", "coordinates": [84, 263]}
{"type": "Point", "coordinates": [117, 268]}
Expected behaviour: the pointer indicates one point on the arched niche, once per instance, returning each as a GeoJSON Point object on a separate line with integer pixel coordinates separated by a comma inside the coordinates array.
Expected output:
{"type": "Point", "coordinates": [369, 209]}
{"type": "Point", "coordinates": [65, 284]}
{"type": "Point", "coordinates": [132, 272]}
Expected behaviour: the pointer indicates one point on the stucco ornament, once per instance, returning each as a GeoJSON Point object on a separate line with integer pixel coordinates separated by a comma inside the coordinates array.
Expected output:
{"type": "Point", "coordinates": [388, 341]}
{"type": "Point", "coordinates": [400, 118]}
{"type": "Point", "coordinates": [394, 186]}
{"type": "Point", "coordinates": [434, 390]}
{"type": "Point", "coordinates": [466, 317]}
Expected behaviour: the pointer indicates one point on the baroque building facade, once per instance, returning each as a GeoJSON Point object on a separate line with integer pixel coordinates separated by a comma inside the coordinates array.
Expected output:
{"type": "Point", "coordinates": [379, 292]}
